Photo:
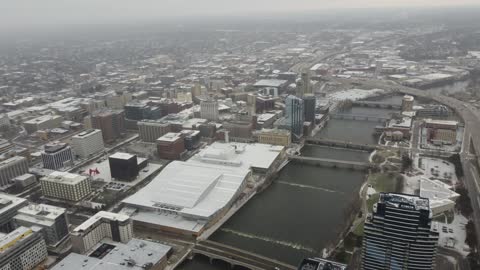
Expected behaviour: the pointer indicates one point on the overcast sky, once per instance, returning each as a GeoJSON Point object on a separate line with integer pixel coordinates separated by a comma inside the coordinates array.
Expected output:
{"type": "Point", "coordinates": [35, 12]}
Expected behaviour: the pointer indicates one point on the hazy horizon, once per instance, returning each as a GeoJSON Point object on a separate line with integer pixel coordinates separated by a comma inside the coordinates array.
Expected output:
{"type": "Point", "coordinates": [34, 13]}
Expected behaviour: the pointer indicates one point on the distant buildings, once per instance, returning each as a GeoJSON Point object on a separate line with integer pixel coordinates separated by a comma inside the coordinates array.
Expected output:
{"type": "Point", "coordinates": [88, 143]}
{"type": "Point", "coordinates": [150, 131]}
{"type": "Point", "coordinates": [9, 205]}
{"type": "Point", "coordinates": [65, 186]}
{"type": "Point", "coordinates": [407, 103]}
{"type": "Point", "coordinates": [52, 220]}
{"type": "Point", "coordinates": [171, 146]}
{"type": "Point", "coordinates": [110, 122]}
{"type": "Point", "coordinates": [140, 111]}
{"type": "Point", "coordinates": [11, 168]}
{"type": "Point", "coordinates": [102, 225]}
{"type": "Point", "coordinates": [209, 110]}
{"type": "Point", "coordinates": [57, 155]}
{"type": "Point", "coordinates": [22, 249]}
{"type": "Point", "coordinates": [295, 115]}
{"type": "Point", "coordinates": [123, 166]}
{"type": "Point", "coordinates": [43, 122]}
{"type": "Point", "coordinates": [400, 234]}
{"type": "Point", "coordinates": [274, 136]}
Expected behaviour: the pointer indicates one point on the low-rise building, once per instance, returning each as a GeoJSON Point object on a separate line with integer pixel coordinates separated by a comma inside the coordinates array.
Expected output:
{"type": "Point", "coordinates": [116, 227]}
{"type": "Point", "coordinates": [9, 206]}
{"type": "Point", "coordinates": [11, 168]}
{"type": "Point", "coordinates": [52, 220]}
{"type": "Point", "coordinates": [274, 136]}
{"type": "Point", "coordinates": [135, 255]}
{"type": "Point", "coordinates": [65, 186]}
{"type": "Point", "coordinates": [22, 249]}
{"type": "Point", "coordinates": [43, 122]}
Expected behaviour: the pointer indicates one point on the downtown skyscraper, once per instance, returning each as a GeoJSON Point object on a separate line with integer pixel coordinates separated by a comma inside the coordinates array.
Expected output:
{"type": "Point", "coordinates": [295, 115]}
{"type": "Point", "coordinates": [400, 234]}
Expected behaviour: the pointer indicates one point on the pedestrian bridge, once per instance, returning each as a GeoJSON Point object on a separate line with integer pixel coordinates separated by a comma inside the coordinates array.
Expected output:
{"type": "Point", "coordinates": [342, 144]}
{"type": "Point", "coordinates": [237, 257]}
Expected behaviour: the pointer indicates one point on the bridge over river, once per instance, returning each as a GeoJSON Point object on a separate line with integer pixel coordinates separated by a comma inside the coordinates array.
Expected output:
{"type": "Point", "coordinates": [237, 257]}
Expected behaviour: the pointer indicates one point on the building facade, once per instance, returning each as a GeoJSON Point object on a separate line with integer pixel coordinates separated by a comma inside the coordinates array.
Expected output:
{"type": "Point", "coordinates": [400, 234]}
{"type": "Point", "coordinates": [57, 155]}
{"type": "Point", "coordinates": [22, 249]}
{"type": "Point", "coordinates": [9, 206]}
{"type": "Point", "coordinates": [110, 122]}
{"type": "Point", "coordinates": [88, 143]}
{"type": "Point", "coordinates": [274, 136]}
{"type": "Point", "coordinates": [66, 186]}
{"type": "Point", "coordinates": [309, 102]}
{"type": "Point", "coordinates": [171, 146]}
{"type": "Point", "coordinates": [150, 131]}
{"type": "Point", "coordinates": [116, 227]}
{"type": "Point", "coordinates": [52, 220]}
{"type": "Point", "coordinates": [407, 103]}
{"type": "Point", "coordinates": [295, 115]}
{"type": "Point", "coordinates": [11, 168]}
{"type": "Point", "coordinates": [123, 166]}
{"type": "Point", "coordinates": [209, 110]}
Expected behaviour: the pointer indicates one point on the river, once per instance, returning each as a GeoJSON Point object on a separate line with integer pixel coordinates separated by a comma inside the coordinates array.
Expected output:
{"type": "Point", "coordinates": [299, 215]}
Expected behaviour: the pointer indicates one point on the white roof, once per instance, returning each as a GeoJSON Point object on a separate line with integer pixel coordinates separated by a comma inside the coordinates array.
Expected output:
{"type": "Point", "coordinates": [203, 185]}
{"type": "Point", "coordinates": [98, 216]}
{"type": "Point", "coordinates": [64, 177]}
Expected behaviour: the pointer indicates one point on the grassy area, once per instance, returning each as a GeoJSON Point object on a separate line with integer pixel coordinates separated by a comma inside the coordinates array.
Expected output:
{"type": "Point", "coordinates": [371, 201]}
{"type": "Point", "coordinates": [381, 156]}
{"type": "Point", "coordinates": [384, 182]}
{"type": "Point", "coordinates": [358, 231]}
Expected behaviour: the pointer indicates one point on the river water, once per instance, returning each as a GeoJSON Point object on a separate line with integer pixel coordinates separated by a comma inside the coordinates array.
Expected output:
{"type": "Point", "coordinates": [299, 215]}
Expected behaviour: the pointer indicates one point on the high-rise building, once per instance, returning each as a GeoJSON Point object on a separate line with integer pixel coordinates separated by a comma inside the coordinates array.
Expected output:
{"type": "Point", "coordinates": [102, 225]}
{"type": "Point", "coordinates": [309, 102]}
{"type": "Point", "coordinates": [22, 249]}
{"type": "Point", "coordinates": [57, 155]}
{"type": "Point", "coordinates": [52, 220]}
{"type": "Point", "coordinates": [295, 115]}
{"type": "Point", "coordinates": [65, 186]}
{"type": "Point", "coordinates": [123, 166]}
{"type": "Point", "coordinates": [407, 103]}
{"type": "Point", "coordinates": [209, 110]}
{"type": "Point", "coordinates": [110, 122]}
{"type": "Point", "coordinates": [307, 87]}
{"type": "Point", "coordinates": [11, 168]}
{"type": "Point", "coordinates": [88, 143]}
{"type": "Point", "coordinates": [400, 234]}
{"type": "Point", "coordinates": [9, 205]}
{"type": "Point", "coordinates": [150, 131]}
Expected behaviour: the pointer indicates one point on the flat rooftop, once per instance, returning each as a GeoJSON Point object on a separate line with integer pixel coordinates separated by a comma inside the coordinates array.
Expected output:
{"type": "Point", "coordinates": [64, 178]}
{"type": "Point", "coordinates": [10, 240]}
{"type": "Point", "coordinates": [130, 256]}
{"type": "Point", "coordinates": [99, 216]}
{"type": "Point", "coordinates": [170, 137]}
{"type": "Point", "coordinates": [320, 264]}
{"type": "Point", "coordinates": [8, 202]}
{"type": "Point", "coordinates": [120, 155]}
{"type": "Point", "coordinates": [42, 119]}
{"type": "Point", "coordinates": [86, 133]}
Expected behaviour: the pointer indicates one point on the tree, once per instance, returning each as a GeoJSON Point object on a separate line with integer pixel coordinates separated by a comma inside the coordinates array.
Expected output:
{"type": "Point", "coordinates": [457, 162]}
{"type": "Point", "coordinates": [407, 162]}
